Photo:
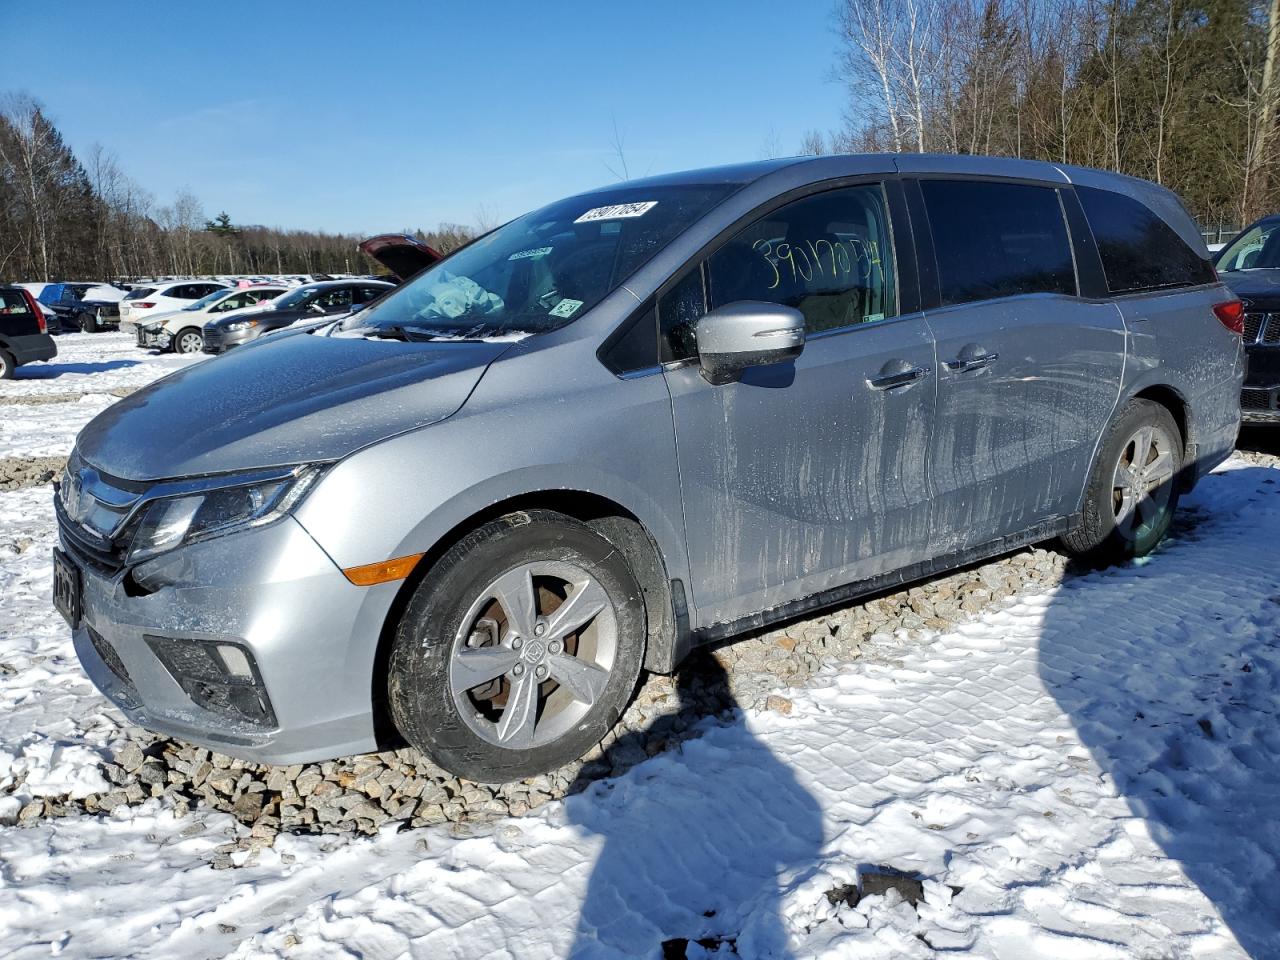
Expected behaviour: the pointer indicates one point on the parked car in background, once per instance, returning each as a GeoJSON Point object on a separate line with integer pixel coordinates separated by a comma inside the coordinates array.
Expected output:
{"type": "Point", "coordinates": [637, 420]}
{"type": "Point", "coordinates": [88, 307]}
{"type": "Point", "coordinates": [24, 334]}
{"type": "Point", "coordinates": [330, 298]}
{"type": "Point", "coordinates": [401, 253]}
{"type": "Point", "coordinates": [151, 299]}
{"type": "Point", "coordinates": [182, 331]}
{"type": "Point", "coordinates": [1250, 266]}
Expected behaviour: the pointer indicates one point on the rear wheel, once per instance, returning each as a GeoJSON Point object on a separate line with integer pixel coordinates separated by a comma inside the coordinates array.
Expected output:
{"type": "Point", "coordinates": [188, 340]}
{"type": "Point", "coordinates": [1133, 490]}
{"type": "Point", "coordinates": [7, 366]}
{"type": "Point", "coordinates": [519, 650]}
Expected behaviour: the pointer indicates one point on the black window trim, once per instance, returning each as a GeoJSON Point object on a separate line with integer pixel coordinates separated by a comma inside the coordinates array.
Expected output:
{"type": "Point", "coordinates": [901, 230]}
{"type": "Point", "coordinates": [926, 253]}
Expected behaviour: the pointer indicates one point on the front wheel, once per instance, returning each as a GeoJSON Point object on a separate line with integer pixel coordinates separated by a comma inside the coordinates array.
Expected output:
{"type": "Point", "coordinates": [7, 366]}
{"type": "Point", "coordinates": [188, 340]}
{"type": "Point", "coordinates": [90, 321]}
{"type": "Point", "coordinates": [1133, 490]}
{"type": "Point", "coordinates": [519, 650]}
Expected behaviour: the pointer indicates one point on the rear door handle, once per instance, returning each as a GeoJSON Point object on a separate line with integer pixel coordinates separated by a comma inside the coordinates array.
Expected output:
{"type": "Point", "coordinates": [961, 364]}
{"type": "Point", "coordinates": [890, 380]}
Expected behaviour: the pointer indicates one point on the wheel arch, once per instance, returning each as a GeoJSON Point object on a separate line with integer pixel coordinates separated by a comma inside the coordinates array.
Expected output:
{"type": "Point", "coordinates": [667, 621]}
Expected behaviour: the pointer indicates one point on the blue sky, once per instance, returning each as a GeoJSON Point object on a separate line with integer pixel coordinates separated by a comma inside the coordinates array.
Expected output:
{"type": "Point", "coordinates": [376, 116]}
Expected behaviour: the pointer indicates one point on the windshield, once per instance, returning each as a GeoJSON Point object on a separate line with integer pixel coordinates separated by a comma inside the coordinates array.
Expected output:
{"type": "Point", "coordinates": [544, 269]}
{"type": "Point", "coordinates": [1258, 247]}
{"type": "Point", "coordinates": [207, 300]}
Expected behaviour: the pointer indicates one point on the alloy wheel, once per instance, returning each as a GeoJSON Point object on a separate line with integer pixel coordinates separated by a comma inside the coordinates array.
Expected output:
{"type": "Point", "coordinates": [1143, 481]}
{"type": "Point", "coordinates": [534, 652]}
{"type": "Point", "coordinates": [190, 343]}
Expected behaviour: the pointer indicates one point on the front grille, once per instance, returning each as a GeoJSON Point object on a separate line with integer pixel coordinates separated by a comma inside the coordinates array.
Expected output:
{"type": "Point", "coordinates": [142, 336]}
{"type": "Point", "coordinates": [1262, 328]}
{"type": "Point", "coordinates": [1252, 398]}
{"type": "Point", "coordinates": [105, 556]}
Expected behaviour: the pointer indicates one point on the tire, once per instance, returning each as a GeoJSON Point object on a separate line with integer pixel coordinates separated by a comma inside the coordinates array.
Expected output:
{"type": "Point", "coordinates": [1122, 522]}
{"type": "Point", "coordinates": [7, 366]}
{"type": "Point", "coordinates": [474, 731]}
{"type": "Point", "coordinates": [89, 322]}
{"type": "Point", "coordinates": [188, 340]}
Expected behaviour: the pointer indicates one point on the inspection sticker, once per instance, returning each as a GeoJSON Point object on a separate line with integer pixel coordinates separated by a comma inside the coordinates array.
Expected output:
{"type": "Point", "coordinates": [526, 254]}
{"type": "Point", "coordinates": [617, 211]}
{"type": "Point", "coordinates": [566, 308]}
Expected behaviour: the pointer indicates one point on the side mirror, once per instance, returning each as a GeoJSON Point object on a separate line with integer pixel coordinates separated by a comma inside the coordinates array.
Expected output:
{"type": "Point", "coordinates": [749, 333]}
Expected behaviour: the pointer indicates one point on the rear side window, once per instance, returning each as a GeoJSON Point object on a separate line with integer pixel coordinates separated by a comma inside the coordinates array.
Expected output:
{"type": "Point", "coordinates": [995, 239]}
{"type": "Point", "coordinates": [1139, 250]}
{"type": "Point", "coordinates": [139, 293]}
{"type": "Point", "coordinates": [12, 302]}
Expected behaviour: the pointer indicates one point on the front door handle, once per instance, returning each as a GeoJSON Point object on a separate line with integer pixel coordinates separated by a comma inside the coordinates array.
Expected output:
{"type": "Point", "coordinates": [900, 379]}
{"type": "Point", "coordinates": [963, 363]}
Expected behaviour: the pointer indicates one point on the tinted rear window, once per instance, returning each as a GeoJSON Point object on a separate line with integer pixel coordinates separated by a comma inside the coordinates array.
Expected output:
{"type": "Point", "coordinates": [12, 302]}
{"type": "Point", "coordinates": [998, 240]}
{"type": "Point", "coordinates": [1139, 250]}
{"type": "Point", "coordinates": [137, 293]}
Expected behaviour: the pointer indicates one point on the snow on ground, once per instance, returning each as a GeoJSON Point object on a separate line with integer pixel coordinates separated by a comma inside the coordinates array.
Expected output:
{"type": "Point", "coordinates": [1091, 771]}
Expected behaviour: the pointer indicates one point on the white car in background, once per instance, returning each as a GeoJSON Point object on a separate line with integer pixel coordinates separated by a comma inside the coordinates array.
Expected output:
{"type": "Point", "coordinates": [150, 300]}
{"type": "Point", "coordinates": [182, 331]}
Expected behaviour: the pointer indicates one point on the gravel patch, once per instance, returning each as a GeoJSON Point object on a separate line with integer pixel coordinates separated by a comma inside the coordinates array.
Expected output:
{"type": "Point", "coordinates": [361, 795]}
{"type": "Point", "coordinates": [39, 399]}
{"type": "Point", "coordinates": [19, 472]}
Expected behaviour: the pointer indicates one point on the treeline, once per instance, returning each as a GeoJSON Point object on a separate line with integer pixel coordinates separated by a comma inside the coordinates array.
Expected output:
{"type": "Point", "coordinates": [67, 218]}
{"type": "Point", "coordinates": [1183, 93]}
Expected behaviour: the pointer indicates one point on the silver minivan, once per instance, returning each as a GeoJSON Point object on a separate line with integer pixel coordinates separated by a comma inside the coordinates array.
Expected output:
{"type": "Point", "coordinates": [634, 421]}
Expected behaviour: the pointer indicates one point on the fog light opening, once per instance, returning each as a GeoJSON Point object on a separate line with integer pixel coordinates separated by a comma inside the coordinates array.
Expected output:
{"type": "Point", "coordinates": [220, 677]}
{"type": "Point", "coordinates": [236, 662]}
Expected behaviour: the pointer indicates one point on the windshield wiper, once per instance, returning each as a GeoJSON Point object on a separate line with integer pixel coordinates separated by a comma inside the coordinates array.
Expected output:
{"type": "Point", "coordinates": [398, 331]}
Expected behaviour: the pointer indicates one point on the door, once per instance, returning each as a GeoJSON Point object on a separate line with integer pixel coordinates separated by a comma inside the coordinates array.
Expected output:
{"type": "Point", "coordinates": [807, 475]}
{"type": "Point", "coordinates": [1028, 371]}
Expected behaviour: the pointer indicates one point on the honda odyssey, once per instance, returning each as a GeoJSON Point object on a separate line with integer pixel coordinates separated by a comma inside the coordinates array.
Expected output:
{"type": "Point", "coordinates": [634, 421]}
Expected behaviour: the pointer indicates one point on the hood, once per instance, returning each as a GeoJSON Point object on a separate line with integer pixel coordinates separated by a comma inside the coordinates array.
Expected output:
{"type": "Point", "coordinates": [403, 255]}
{"type": "Point", "coordinates": [1261, 285]}
{"type": "Point", "coordinates": [290, 399]}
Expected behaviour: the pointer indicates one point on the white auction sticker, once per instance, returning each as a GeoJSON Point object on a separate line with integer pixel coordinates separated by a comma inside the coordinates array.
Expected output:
{"type": "Point", "coordinates": [566, 308]}
{"type": "Point", "coordinates": [617, 211]}
{"type": "Point", "coordinates": [526, 254]}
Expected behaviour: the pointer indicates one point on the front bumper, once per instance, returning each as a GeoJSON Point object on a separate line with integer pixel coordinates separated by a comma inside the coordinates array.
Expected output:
{"type": "Point", "coordinates": [311, 635]}
{"type": "Point", "coordinates": [217, 340]}
{"type": "Point", "coordinates": [152, 337]}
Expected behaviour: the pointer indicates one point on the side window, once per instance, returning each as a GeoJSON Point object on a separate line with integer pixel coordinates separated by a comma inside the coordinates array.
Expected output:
{"type": "Point", "coordinates": [829, 255]}
{"type": "Point", "coordinates": [338, 299]}
{"type": "Point", "coordinates": [180, 292]}
{"type": "Point", "coordinates": [1139, 250]}
{"type": "Point", "coordinates": [680, 308]}
{"type": "Point", "coordinates": [996, 239]}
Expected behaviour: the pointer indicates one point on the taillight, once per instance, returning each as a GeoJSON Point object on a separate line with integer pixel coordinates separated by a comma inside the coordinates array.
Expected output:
{"type": "Point", "coordinates": [145, 305]}
{"type": "Point", "coordinates": [35, 308]}
{"type": "Point", "coordinates": [1231, 314]}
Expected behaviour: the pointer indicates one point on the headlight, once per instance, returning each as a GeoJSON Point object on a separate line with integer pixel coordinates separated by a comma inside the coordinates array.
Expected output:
{"type": "Point", "coordinates": [241, 325]}
{"type": "Point", "coordinates": [173, 521]}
